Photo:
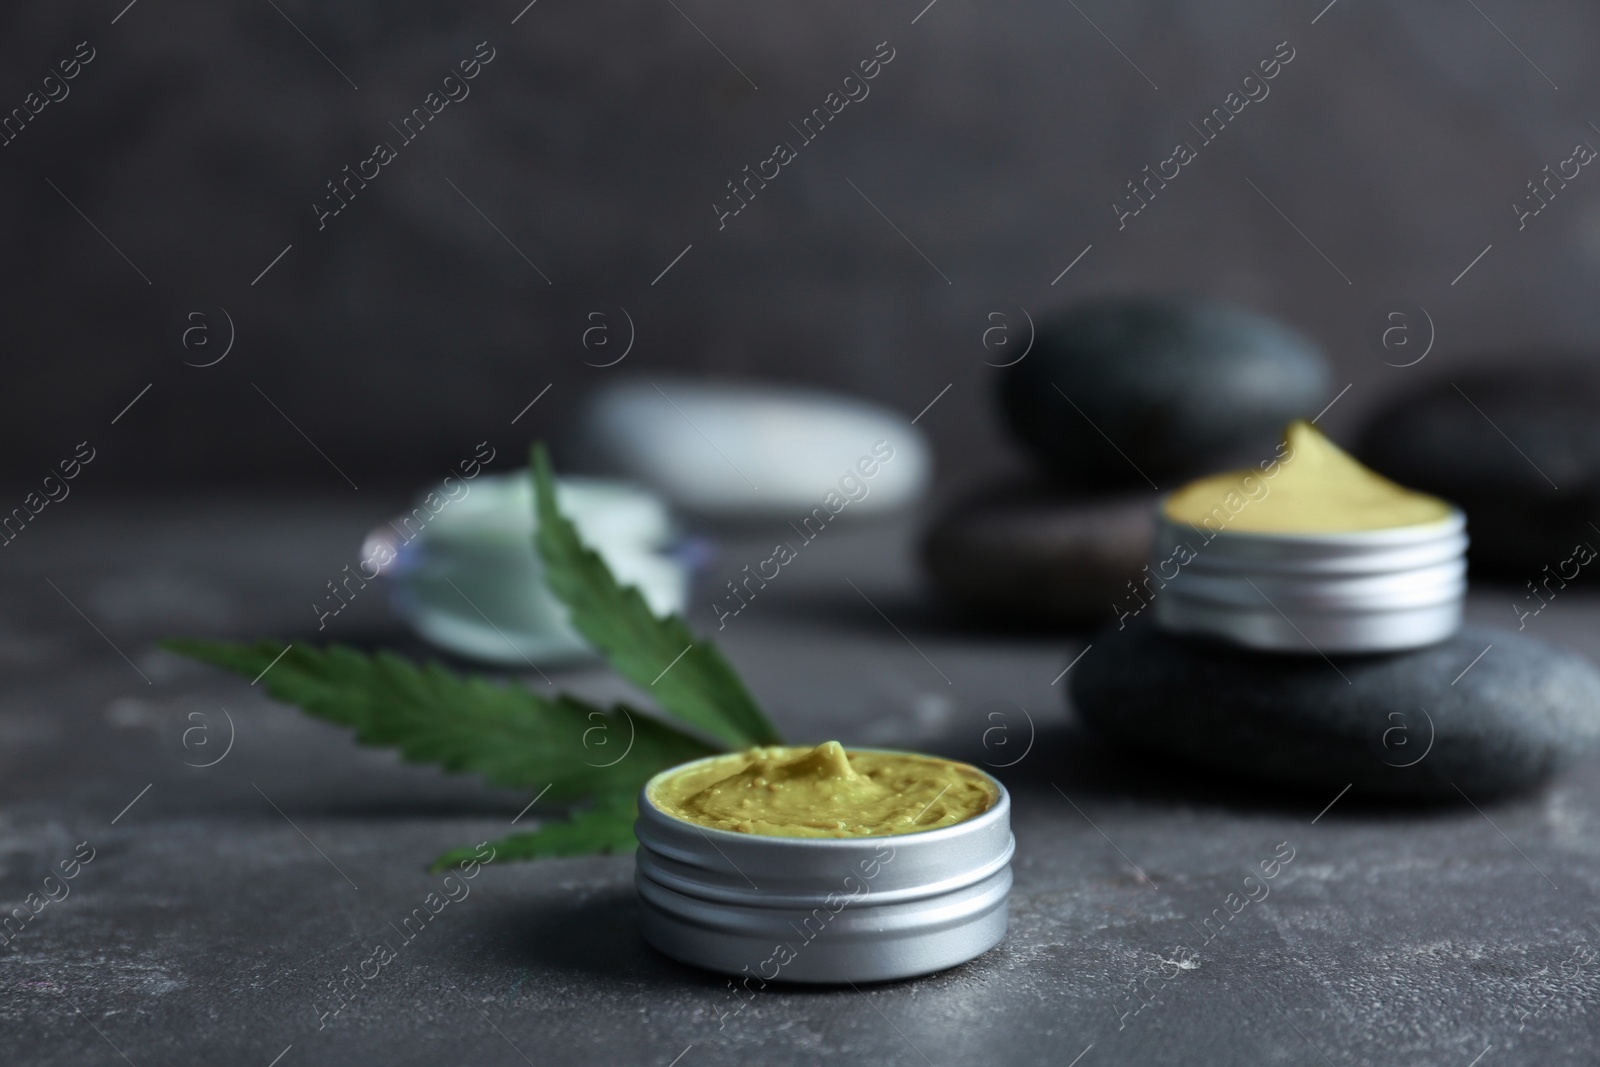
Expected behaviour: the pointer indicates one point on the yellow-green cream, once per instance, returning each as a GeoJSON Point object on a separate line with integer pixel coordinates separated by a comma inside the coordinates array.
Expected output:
{"type": "Point", "coordinates": [825, 791]}
{"type": "Point", "coordinates": [1313, 487]}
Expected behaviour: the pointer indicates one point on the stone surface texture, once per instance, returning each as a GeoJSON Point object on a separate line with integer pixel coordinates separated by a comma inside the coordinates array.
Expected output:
{"type": "Point", "coordinates": [1484, 711]}
{"type": "Point", "coordinates": [737, 451]}
{"type": "Point", "coordinates": [1518, 448]}
{"type": "Point", "coordinates": [1031, 553]}
{"type": "Point", "coordinates": [1124, 393]}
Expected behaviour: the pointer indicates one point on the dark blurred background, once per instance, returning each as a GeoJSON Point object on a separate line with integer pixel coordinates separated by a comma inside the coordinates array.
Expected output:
{"type": "Point", "coordinates": [599, 137]}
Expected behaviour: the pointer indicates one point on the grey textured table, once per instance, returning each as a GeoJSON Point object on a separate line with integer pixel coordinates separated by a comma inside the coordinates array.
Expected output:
{"type": "Point", "coordinates": [220, 906]}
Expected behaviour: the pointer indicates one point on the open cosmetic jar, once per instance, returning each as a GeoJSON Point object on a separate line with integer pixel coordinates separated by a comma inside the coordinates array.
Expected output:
{"type": "Point", "coordinates": [766, 908]}
{"type": "Point", "coordinates": [1312, 552]}
{"type": "Point", "coordinates": [463, 573]}
{"type": "Point", "coordinates": [1360, 591]}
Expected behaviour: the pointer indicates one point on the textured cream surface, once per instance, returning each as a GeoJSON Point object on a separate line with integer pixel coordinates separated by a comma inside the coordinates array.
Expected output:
{"type": "Point", "coordinates": [825, 791]}
{"type": "Point", "coordinates": [1316, 487]}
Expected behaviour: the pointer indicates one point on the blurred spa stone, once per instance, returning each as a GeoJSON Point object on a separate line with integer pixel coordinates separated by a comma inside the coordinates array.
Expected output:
{"type": "Point", "coordinates": [1517, 449]}
{"type": "Point", "coordinates": [1119, 393]}
{"type": "Point", "coordinates": [1115, 398]}
{"type": "Point", "coordinates": [1406, 724]}
{"type": "Point", "coordinates": [731, 451]}
{"type": "Point", "coordinates": [1024, 554]}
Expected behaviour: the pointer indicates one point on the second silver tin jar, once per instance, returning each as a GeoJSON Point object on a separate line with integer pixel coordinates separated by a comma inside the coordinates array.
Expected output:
{"type": "Point", "coordinates": [823, 910]}
{"type": "Point", "coordinates": [1363, 591]}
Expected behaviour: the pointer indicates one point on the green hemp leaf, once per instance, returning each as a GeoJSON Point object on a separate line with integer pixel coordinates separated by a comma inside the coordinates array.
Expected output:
{"type": "Point", "coordinates": [509, 734]}
{"type": "Point", "coordinates": [688, 678]}
{"type": "Point", "coordinates": [513, 736]}
{"type": "Point", "coordinates": [604, 826]}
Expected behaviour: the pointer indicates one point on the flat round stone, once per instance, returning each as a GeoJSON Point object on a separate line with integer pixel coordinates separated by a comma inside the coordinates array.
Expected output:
{"type": "Point", "coordinates": [745, 451]}
{"type": "Point", "coordinates": [1118, 392]}
{"type": "Point", "coordinates": [1029, 554]}
{"type": "Point", "coordinates": [1404, 724]}
{"type": "Point", "coordinates": [1517, 449]}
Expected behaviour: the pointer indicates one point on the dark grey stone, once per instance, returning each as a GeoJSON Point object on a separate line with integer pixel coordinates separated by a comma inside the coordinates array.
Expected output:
{"type": "Point", "coordinates": [1517, 449]}
{"type": "Point", "coordinates": [1028, 554]}
{"type": "Point", "coordinates": [1397, 724]}
{"type": "Point", "coordinates": [1119, 392]}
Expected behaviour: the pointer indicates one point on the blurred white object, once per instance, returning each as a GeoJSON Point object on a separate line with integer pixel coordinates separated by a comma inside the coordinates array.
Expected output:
{"type": "Point", "coordinates": [471, 583]}
{"type": "Point", "coordinates": [731, 451]}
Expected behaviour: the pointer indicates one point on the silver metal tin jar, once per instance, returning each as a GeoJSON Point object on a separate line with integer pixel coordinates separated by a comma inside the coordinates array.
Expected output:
{"type": "Point", "coordinates": [823, 910]}
{"type": "Point", "coordinates": [1365, 591]}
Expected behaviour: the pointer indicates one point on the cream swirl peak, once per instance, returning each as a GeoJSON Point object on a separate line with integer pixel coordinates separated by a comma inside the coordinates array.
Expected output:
{"type": "Point", "coordinates": [1321, 489]}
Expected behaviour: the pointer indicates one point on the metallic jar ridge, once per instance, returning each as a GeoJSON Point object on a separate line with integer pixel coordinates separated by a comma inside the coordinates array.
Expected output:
{"type": "Point", "coordinates": [823, 910]}
{"type": "Point", "coordinates": [1363, 591]}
